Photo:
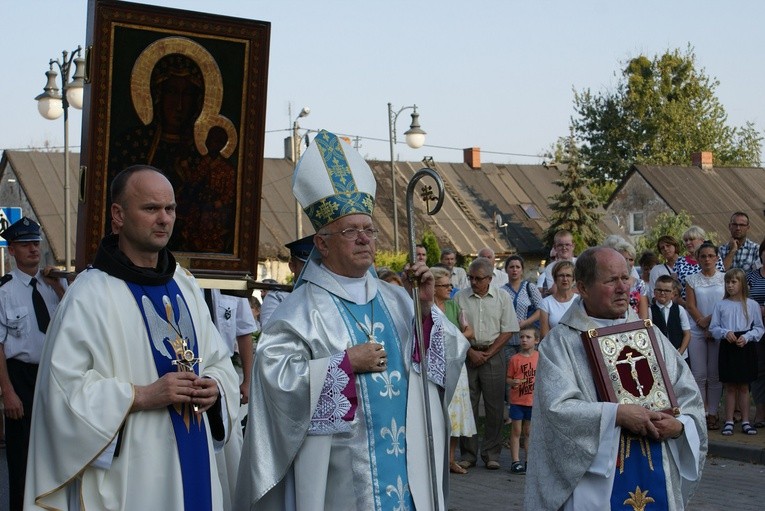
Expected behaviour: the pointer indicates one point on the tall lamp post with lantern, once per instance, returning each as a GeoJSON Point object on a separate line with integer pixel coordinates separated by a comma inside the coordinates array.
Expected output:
{"type": "Point", "coordinates": [415, 138]}
{"type": "Point", "coordinates": [295, 157]}
{"type": "Point", "coordinates": [51, 104]}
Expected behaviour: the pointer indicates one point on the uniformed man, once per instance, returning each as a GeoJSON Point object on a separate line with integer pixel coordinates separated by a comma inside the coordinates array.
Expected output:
{"type": "Point", "coordinates": [235, 322]}
{"type": "Point", "coordinates": [27, 302]}
{"type": "Point", "coordinates": [300, 250]}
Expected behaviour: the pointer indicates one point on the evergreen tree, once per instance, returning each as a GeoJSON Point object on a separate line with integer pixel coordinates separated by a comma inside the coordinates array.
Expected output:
{"type": "Point", "coordinates": [574, 208]}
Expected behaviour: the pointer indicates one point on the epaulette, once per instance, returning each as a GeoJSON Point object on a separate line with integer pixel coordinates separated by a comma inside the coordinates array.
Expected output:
{"type": "Point", "coordinates": [6, 278]}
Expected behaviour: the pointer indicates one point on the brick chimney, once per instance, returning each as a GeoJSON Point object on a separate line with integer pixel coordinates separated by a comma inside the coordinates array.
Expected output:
{"type": "Point", "coordinates": [702, 159]}
{"type": "Point", "coordinates": [472, 157]}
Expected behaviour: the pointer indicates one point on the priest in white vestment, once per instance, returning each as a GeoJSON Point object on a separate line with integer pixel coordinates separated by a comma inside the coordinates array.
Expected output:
{"type": "Point", "coordinates": [134, 382]}
{"type": "Point", "coordinates": [578, 441]}
{"type": "Point", "coordinates": [336, 405]}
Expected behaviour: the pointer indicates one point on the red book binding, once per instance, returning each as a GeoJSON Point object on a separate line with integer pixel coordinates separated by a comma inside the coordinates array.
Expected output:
{"type": "Point", "coordinates": [628, 366]}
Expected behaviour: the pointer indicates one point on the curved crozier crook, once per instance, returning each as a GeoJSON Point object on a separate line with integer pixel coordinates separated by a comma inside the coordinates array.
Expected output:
{"type": "Point", "coordinates": [427, 196]}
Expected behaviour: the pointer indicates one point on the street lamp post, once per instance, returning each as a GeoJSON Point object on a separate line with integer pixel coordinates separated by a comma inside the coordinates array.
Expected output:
{"type": "Point", "coordinates": [295, 156]}
{"type": "Point", "coordinates": [415, 138]}
{"type": "Point", "coordinates": [51, 104]}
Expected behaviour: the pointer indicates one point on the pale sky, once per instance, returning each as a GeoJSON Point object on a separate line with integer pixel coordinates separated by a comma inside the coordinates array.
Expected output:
{"type": "Point", "coordinates": [497, 75]}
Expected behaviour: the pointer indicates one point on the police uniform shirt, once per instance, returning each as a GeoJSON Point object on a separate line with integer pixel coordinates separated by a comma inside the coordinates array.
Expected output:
{"type": "Point", "coordinates": [272, 300]}
{"type": "Point", "coordinates": [233, 317]}
{"type": "Point", "coordinates": [19, 334]}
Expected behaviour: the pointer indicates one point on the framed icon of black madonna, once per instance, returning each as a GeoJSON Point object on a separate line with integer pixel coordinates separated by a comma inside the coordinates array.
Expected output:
{"type": "Point", "coordinates": [184, 92]}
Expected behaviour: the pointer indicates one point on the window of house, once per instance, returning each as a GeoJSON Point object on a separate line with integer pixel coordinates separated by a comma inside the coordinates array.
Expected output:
{"type": "Point", "coordinates": [637, 222]}
{"type": "Point", "coordinates": [531, 211]}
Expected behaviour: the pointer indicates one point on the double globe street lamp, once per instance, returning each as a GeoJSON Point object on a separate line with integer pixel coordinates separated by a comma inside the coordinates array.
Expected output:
{"type": "Point", "coordinates": [415, 138]}
{"type": "Point", "coordinates": [51, 104]}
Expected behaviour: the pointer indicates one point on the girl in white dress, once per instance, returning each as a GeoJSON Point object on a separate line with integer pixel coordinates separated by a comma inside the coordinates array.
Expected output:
{"type": "Point", "coordinates": [737, 322]}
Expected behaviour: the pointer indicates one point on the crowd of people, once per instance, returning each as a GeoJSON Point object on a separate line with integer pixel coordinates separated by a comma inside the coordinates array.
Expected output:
{"type": "Point", "coordinates": [708, 303]}
{"type": "Point", "coordinates": [120, 392]}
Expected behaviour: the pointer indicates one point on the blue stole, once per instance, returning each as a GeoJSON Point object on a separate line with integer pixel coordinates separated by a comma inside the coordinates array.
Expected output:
{"type": "Point", "coordinates": [190, 432]}
{"type": "Point", "coordinates": [640, 479]}
{"type": "Point", "coordinates": [382, 401]}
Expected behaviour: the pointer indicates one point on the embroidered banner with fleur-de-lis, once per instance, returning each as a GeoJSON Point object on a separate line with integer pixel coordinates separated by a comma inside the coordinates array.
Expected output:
{"type": "Point", "coordinates": [382, 403]}
{"type": "Point", "coordinates": [167, 318]}
{"type": "Point", "coordinates": [639, 484]}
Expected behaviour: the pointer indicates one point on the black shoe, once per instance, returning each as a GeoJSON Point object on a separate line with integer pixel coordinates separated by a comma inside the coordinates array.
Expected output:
{"type": "Point", "coordinates": [517, 468]}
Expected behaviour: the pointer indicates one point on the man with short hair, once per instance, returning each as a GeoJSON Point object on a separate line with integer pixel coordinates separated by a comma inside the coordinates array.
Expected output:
{"type": "Point", "coordinates": [740, 251]}
{"type": "Point", "coordinates": [589, 454]}
{"type": "Point", "coordinates": [336, 407]}
{"type": "Point", "coordinates": [563, 243]}
{"type": "Point", "coordinates": [500, 277]}
{"type": "Point", "coordinates": [420, 254]}
{"type": "Point", "coordinates": [458, 277]}
{"type": "Point", "coordinates": [490, 312]}
{"type": "Point", "coordinates": [135, 384]}
{"type": "Point", "coordinates": [28, 299]}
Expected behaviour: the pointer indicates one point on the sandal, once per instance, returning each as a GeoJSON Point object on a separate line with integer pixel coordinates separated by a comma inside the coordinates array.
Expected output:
{"type": "Point", "coordinates": [759, 424]}
{"type": "Point", "coordinates": [517, 468]}
{"type": "Point", "coordinates": [748, 429]}
{"type": "Point", "coordinates": [454, 468]}
{"type": "Point", "coordinates": [712, 423]}
{"type": "Point", "coordinates": [727, 429]}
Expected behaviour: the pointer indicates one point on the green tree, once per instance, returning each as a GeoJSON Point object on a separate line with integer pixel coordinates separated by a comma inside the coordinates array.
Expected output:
{"type": "Point", "coordinates": [669, 224]}
{"type": "Point", "coordinates": [666, 224]}
{"type": "Point", "coordinates": [558, 152]}
{"type": "Point", "coordinates": [391, 259]}
{"type": "Point", "coordinates": [430, 242]}
{"type": "Point", "coordinates": [397, 260]}
{"type": "Point", "coordinates": [661, 111]}
{"type": "Point", "coordinates": [603, 190]}
{"type": "Point", "coordinates": [574, 208]}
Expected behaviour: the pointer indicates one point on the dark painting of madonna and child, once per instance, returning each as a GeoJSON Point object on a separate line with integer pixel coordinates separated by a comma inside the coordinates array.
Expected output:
{"type": "Point", "coordinates": [174, 92]}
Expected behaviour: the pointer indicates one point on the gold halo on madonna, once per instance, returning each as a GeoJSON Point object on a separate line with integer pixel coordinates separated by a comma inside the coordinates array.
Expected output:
{"type": "Point", "coordinates": [140, 89]}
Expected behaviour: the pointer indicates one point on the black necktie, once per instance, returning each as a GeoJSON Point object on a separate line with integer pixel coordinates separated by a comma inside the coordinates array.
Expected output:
{"type": "Point", "coordinates": [209, 302]}
{"type": "Point", "coordinates": [41, 310]}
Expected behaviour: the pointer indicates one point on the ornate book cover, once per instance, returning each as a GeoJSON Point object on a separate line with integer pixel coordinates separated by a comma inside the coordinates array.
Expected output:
{"type": "Point", "coordinates": [628, 366]}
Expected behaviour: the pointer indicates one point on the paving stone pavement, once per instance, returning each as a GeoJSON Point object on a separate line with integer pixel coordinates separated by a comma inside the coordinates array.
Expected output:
{"type": "Point", "coordinates": [725, 485]}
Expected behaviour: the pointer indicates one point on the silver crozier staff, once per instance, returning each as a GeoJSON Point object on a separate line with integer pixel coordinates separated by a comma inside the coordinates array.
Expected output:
{"type": "Point", "coordinates": [427, 196]}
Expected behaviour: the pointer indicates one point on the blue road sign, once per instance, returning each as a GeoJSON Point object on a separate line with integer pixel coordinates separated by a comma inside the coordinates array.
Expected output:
{"type": "Point", "coordinates": [7, 217]}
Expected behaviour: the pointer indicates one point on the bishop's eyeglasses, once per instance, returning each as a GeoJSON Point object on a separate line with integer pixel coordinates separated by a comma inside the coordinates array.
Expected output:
{"type": "Point", "coordinates": [352, 234]}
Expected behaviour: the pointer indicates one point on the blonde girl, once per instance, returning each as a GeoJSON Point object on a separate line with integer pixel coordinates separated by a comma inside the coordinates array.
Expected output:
{"type": "Point", "coordinates": [737, 323]}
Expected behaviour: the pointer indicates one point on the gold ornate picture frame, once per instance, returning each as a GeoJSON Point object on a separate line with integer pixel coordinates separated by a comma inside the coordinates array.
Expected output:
{"type": "Point", "coordinates": [628, 366]}
{"type": "Point", "coordinates": [184, 92]}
